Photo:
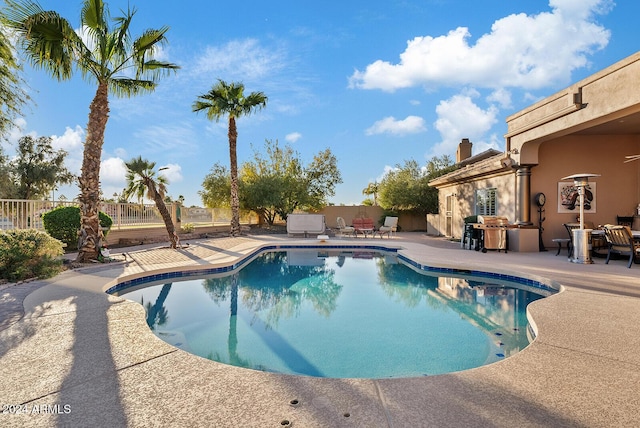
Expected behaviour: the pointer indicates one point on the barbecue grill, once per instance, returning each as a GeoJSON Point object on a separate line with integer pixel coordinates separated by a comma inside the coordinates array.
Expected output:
{"type": "Point", "coordinates": [494, 232]}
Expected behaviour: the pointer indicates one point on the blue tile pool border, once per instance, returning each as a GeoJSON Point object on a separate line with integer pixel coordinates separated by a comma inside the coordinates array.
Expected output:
{"type": "Point", "coordinates": [279, 247]}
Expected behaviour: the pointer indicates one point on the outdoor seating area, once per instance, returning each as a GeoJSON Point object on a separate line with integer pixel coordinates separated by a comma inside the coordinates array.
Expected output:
{"type": "Point", "coordinates": [366, 227]}
{"type": "Point", "coordinates": [605, 241]}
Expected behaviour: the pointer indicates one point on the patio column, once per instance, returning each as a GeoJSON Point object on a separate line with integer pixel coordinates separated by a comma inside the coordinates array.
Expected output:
{"type": "Point", "coordinates": [523, 184]}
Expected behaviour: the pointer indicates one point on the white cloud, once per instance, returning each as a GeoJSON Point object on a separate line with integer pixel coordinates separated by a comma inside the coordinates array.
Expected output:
{"type": "Point", "coordinates": [502, 97]}
{"type": "Point", "coordinates": [70, 141]}
{"type": "Point", "coordinates": [293, 137]}
{"type": "Point", "coordinates": [17, 131]}
{"type": "Point", "coordinates": [173, 172]}
{"type": "Point", "coordinates": [240, 59]}
{"type": "Point", "coordinates": [113, 172]}
{"type": "Point", "coordinates": [167, 138]}
{"type": "Point", "coordinates": [121, 153]}
{"type": "Point", "coordinates": [515, 53]}
{"type": "Point", "coordinates": [390, 125]}
{"type": "Point", "coordinates": [459, 117]}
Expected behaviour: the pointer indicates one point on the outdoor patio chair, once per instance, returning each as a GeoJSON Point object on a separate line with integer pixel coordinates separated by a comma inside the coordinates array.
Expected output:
{"type": "Point", "coordinates": [343, 228]}
{"type": "Point", "coordinates": [390, 225]}
{"type": "Point", "coordinates": [621, 241]}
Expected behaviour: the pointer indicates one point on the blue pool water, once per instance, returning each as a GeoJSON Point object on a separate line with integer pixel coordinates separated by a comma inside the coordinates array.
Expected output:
{"type": "Point", "coordinates": [339, 314]}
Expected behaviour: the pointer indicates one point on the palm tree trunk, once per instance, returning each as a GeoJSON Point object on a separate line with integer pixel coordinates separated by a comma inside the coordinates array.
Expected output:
{"type": "Point", "coordinates": [166, 217]}
{"type": "Point", "coordinates": [89, 181]}
{"type": "Point", "coordinates": [233, 158]}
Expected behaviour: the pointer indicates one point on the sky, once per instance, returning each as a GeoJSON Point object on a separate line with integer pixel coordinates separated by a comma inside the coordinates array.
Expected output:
{"type": "Point", "coordinates": [378, 82]}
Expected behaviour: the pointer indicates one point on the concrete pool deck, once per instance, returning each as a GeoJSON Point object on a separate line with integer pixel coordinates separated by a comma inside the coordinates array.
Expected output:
{"type": "Point", "coordinates": [70, 355]}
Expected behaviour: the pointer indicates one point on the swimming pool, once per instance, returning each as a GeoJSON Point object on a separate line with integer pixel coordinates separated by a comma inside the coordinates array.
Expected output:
{"type": "Point", "coordinates": [340, 313]}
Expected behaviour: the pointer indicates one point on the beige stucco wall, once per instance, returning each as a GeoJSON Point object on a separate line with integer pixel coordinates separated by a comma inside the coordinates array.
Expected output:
{"type": "Point", "coordinates": [406, 222]}
{"type": "Point", "coordinates": [617, 189]}
{"type": "Point", "coordinates": [464, 200]}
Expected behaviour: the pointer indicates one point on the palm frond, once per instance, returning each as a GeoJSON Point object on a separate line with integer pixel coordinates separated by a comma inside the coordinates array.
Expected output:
{"type": "Point", "coordinates": [122, 28]}
{"type": "Point", "coordinates": [126, 87]}
{"type": "Point", "coordinates": [48, 39]}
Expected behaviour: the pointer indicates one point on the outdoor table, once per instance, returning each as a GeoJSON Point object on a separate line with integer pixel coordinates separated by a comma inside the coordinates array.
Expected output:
{"type": "Point", "coordinates": [600, 232]}
{"type": "Point", "coordinates": [365, 231]}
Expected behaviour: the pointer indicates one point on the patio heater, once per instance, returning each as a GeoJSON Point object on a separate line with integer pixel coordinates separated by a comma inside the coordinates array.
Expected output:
{"type": "Point", "coordinates": [582, 236]}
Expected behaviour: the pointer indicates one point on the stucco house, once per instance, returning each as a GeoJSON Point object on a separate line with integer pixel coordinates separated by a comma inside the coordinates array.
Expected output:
{"type": "Point", "coordinates": [589, 127]}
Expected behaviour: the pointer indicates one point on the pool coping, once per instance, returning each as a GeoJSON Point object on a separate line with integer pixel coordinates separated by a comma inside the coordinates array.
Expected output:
{"type": "Point", "coordinates": [96, 354]}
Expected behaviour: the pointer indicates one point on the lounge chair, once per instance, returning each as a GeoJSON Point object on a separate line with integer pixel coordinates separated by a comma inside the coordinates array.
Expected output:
{"type": "Point", "coordinates": [621, 241]}
{"type": "Point", "coordinates": [390, 225]}
{"type": "Point", "coordinates": [344, 229]}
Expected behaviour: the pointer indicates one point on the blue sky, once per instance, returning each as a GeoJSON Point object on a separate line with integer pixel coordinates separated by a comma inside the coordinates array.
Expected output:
{"type": "Point", "coordinates": [377, 82]}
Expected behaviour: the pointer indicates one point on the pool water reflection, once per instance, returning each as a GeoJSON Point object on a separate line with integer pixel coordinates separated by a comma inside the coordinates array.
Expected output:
{"type": "Point", "coordinates": [340, 314]}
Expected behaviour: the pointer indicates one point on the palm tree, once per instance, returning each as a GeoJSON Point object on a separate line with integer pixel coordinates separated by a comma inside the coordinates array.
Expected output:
{"type": "Point", "coordinates": [13, 96]}
{"type": "Point", "coordinates": [106, 55]}
{"type": "Point", "coordinates": [372, 189]}
{"type": "Point", "coordinates": [142, 181]}
{"type": "Point", "coordinates": [229, 99]}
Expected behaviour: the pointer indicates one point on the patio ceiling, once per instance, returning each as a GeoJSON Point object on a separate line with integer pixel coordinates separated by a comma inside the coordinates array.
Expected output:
{"type": "Point", "coordinates": [627, 125]}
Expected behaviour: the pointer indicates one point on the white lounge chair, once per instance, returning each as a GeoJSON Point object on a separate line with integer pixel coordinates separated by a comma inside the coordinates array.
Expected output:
{"type": "Point", "coordinates": [390, 225]}
{"type": "Point", "coordinates": [344, 229]}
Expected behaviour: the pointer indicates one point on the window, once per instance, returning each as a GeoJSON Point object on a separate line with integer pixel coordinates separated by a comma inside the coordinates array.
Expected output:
{"type": "Point", "coordinates": [486, 200]}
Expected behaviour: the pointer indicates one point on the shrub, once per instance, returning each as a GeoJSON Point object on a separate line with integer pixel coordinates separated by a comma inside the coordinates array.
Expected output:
{"type": "Point", "coordinates": [29, 253]}
{"type": "Point", "coordinates": [188, 228]}
{"type": "Point", "coordinates": [63, 223]}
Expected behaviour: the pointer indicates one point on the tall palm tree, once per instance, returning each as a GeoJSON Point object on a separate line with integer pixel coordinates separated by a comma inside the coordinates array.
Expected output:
{"type": "Point", "coordinates": [142, 181]}
{"type": "Point", "coordinates": [372, 189]}
{"type": "Point", "coordinates": [12, 93]}
{"type": "Point", "coordinates": [228, 99]}
{"type": "Point", "coordinates": [104, 54]}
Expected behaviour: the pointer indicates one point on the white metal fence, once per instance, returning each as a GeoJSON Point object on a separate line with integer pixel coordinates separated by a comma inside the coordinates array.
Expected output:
{"type": "Point", "coordinates": [27, 214]}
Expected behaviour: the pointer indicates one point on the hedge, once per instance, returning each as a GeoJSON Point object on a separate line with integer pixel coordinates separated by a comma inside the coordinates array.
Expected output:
{"type": "Point", "coordinates": [63, 223]}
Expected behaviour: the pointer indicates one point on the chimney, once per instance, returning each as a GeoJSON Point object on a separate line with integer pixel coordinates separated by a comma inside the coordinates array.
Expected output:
{"type": "Point", "coordinates": [464, 150]}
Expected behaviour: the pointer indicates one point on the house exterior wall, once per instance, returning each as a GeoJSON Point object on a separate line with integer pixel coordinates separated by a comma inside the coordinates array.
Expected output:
{"type": "Point", "coordinates": [616, 188]}
{"type": "Point", "coordinates": [464, 200]}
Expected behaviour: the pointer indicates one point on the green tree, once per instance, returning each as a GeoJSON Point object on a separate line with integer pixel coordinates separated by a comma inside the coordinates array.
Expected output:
{"type": "Point", "coordinates": [142, 181]}
{"type": "Point", "coordinates": [228, 99]}
{"type": "Point", "coordinates": [6, 183]}
{"type": "Point", "coordinates": [12, 95]}
{"type": "Point", "coordinates": [216, 187]}
{"type": "Point", "coordinates": [278, 184]}
{"type": "Point", "coordinates": [37, 169]}
{"type": "Point", "coordinates": [406, 187]}
{"type": "Point", "coordinates": [104, 54]}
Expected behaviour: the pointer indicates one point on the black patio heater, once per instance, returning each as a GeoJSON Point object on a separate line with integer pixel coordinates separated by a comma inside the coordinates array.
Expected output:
{"type": "Point", "coordinates": [582, 236]}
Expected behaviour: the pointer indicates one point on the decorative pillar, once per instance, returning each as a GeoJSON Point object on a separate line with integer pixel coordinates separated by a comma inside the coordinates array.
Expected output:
{"type": "Point", "coordinates": [523, 184]}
